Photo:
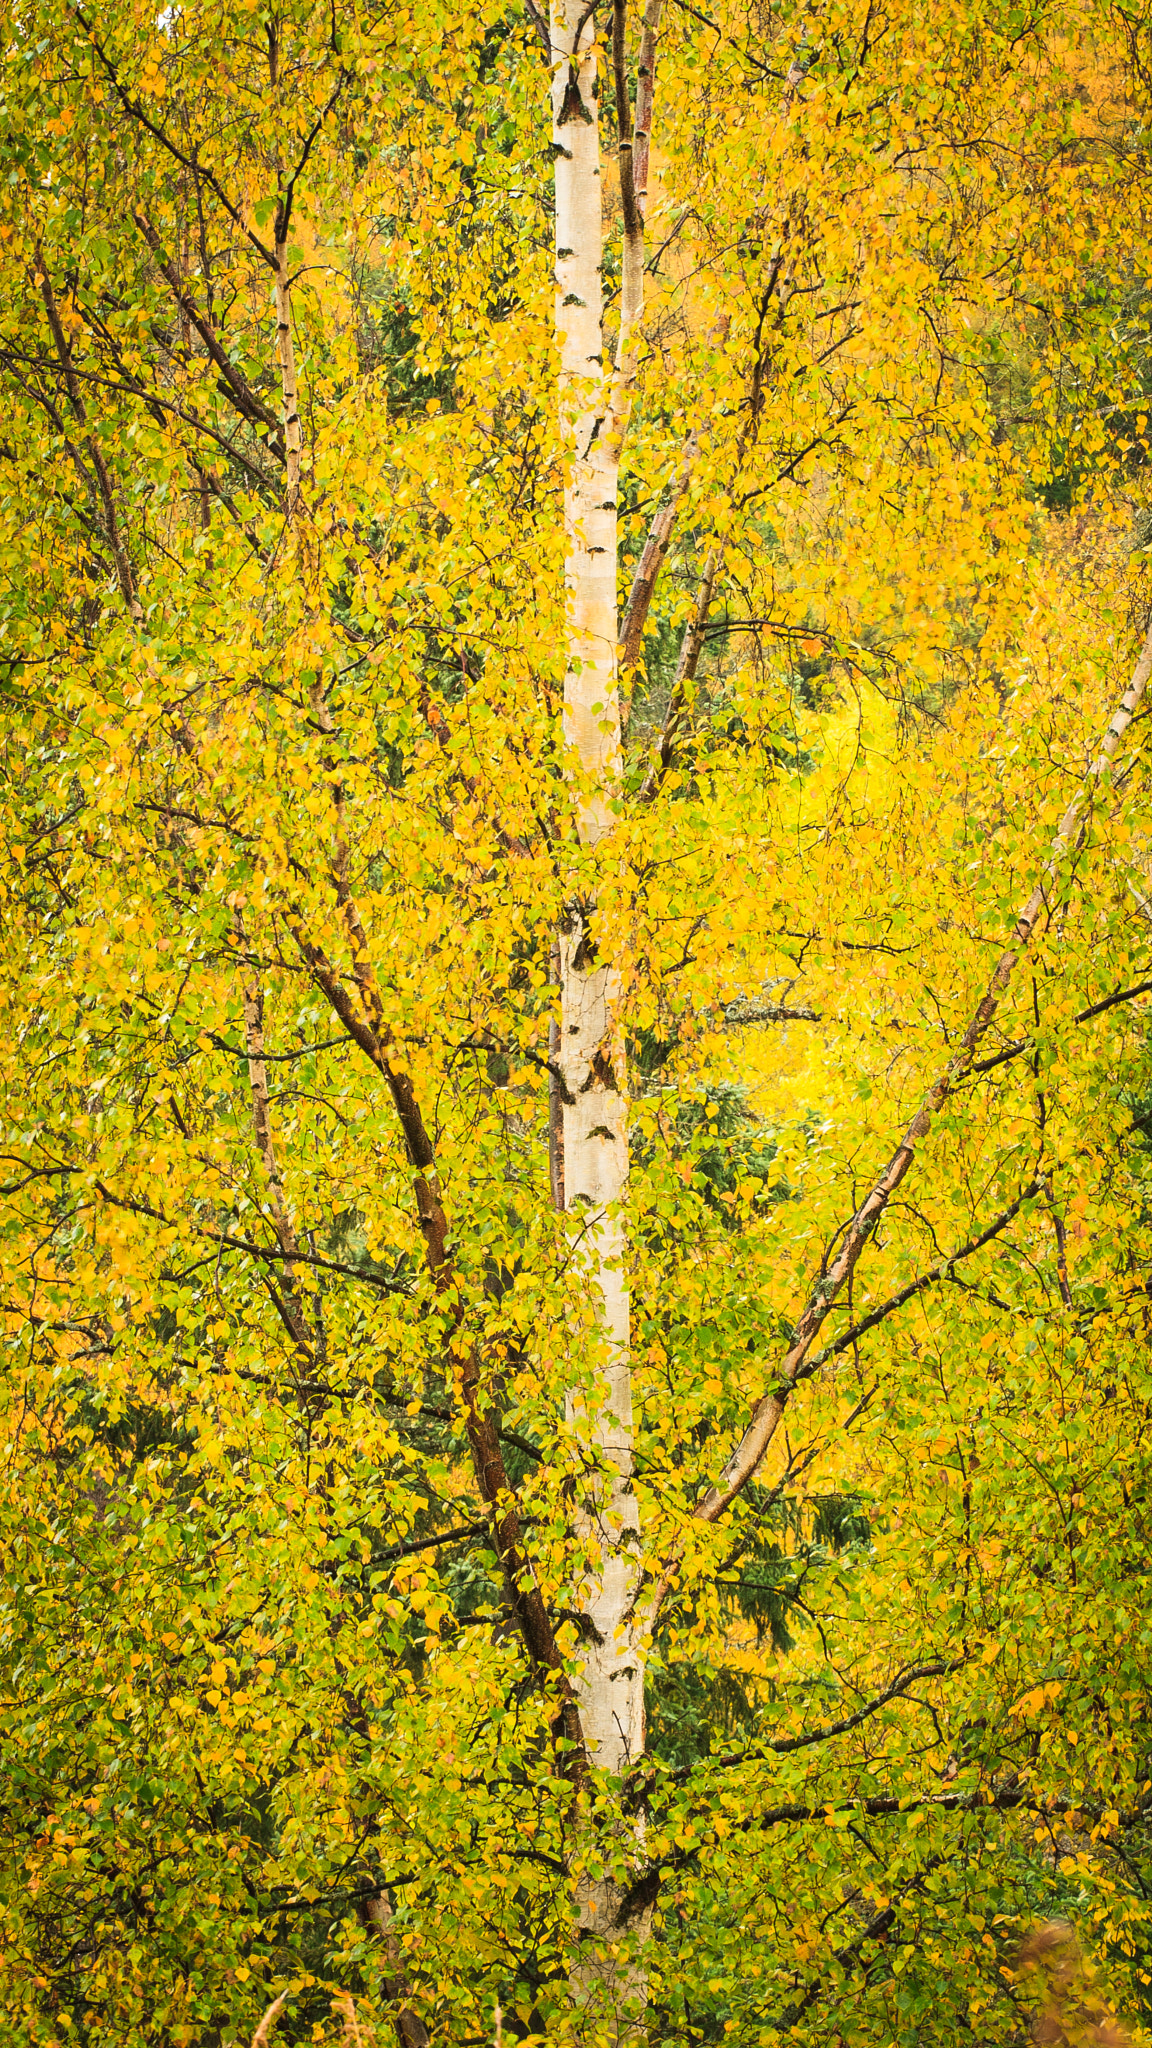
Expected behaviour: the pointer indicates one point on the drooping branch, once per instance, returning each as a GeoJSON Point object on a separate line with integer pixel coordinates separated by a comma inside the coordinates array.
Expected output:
{"type": "Point", "coordinates": [656, 547]}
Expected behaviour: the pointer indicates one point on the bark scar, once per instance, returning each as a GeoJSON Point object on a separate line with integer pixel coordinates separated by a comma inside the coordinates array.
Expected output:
{"type": "Point", "coordinates": [600, 1074]}
{"type": "Point", "coordinates": [572, 106]}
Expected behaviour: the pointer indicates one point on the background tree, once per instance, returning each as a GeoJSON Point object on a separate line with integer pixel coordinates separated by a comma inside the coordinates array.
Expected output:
{"type": "Point", "coordinates": [345, 1490]}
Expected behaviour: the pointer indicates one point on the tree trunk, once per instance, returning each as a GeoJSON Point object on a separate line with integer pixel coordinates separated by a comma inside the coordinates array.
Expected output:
{"type": "Point", "coordinates": [593, 413]}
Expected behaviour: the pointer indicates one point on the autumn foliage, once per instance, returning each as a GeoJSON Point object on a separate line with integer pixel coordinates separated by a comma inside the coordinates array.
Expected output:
{"type": "Point", "coordinates": [307, 1479]}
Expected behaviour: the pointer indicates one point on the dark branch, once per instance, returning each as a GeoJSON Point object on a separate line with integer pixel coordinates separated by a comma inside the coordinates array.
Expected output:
{"type": "Point", "coordinates": [1019, 1045]}
{"type": "Point", "coordinates": [929, 1278]}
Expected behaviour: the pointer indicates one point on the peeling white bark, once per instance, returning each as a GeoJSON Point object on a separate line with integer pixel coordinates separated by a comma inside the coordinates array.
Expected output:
{"type": "Point", "coordinates": [611, 1689]}
{"type": "Point", "coordinates": [591, 709]}
{"type": "Point", "coordinates": [594, 408]}
{"type": "Point", "coordinates": [591, 1054]}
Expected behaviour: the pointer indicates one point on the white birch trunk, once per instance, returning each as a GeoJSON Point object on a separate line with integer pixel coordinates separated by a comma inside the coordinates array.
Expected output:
{"type": "Point", "coordinates": [593, 413]}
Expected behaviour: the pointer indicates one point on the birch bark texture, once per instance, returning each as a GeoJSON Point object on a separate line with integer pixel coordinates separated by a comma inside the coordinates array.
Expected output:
{"type": "Point", "coordinates": [592, 417]}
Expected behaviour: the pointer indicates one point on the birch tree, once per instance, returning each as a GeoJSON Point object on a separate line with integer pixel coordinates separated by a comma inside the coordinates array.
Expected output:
{"type": "Point", "coordinates": [575, 983]}
{"type": "Point", "coordinates": [594, 406]}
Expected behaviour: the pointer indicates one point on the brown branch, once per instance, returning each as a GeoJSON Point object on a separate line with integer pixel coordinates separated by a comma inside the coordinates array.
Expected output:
{"type": "Point", "coordinates": [210, 482]}
{"type": "Point", "coordinates": [647, 570]}
{"type": "Point", "coordinates": [787, 1744]}
{"type": "Point", "coordinates": [160, 406]}
{"type": "Point", "coordinates": [1019, 1045]}
{"type": "Point", "coordinates": [263, 2034]}
{"type": "Point", "coordinates": [227, 1239]}
{"type": "Point", "coordinates": [1015, 1798]}
{"type": "Point", "coordinates": [497, 1490]}
{"type": "Point", "coordinates": [124, 574]}
{"type": "Point", "coordinates": [769, 1409]}
{"type": "Point", "coordinates": [645, 95]}
{"type": "Point", "coordinates": [410, 2029]}
{"type": "Point", "coordinates": [190, 163]}
{"type": "Point", "coordinates": [877, 1927]}
{"type": "Point", "coordinates": [1012, 1799]}
{"type": "Point", "coordinates": [633, 224]}
{"type": "Point", "coordinates": [248, 404]}
{"type": "Point", "coordinates": [690, 648]}
{"type": "Point", "coordinates": [929, 1278]}
{"type": "Point", "coordinates": [539, 22]}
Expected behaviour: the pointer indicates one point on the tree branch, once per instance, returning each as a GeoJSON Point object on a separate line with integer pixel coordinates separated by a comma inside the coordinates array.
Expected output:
{"type": "Point", "coordinates": [647, 570]}
{"type": "Point", "coordinates": [686, 667]}
{"type": "Point", "coordinates": [929, 1278]}
{"type": "Point", "coordinates": [227, 1238]}
{"type": "Point", "coordinates": [769, 1409]}
{"type": "Point", "coordinates": [540, 24]}
{"type": "Point", "coordinates": [785, 1745]}
{"type": "Point", "coordinates": [190, 163]}
{"type": "Point", "coordinates": [247, 403]}
{"type": "Point", "coordinates": [124, 572]}
{"type": "Point", "coordinates": [1019, 1045]}
{"type": "Point", "coordinates": [496, 1489]}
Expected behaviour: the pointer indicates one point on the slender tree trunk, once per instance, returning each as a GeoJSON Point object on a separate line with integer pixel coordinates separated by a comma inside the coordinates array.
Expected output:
{"type": "Point", "coordinates": [286, 357]}
{"type": "Point", "coordinates": [594, 406]}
